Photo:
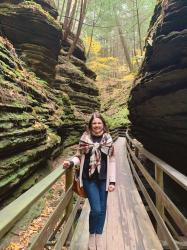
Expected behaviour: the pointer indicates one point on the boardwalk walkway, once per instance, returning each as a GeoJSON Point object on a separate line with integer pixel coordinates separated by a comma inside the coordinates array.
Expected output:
{"type": "Point", "coordinates": [127, 226]}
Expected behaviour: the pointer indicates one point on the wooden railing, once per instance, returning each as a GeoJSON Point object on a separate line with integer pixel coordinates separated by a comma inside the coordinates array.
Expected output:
{"type": "Point", "coordinates": [118, 132]}
{"type": "Point", "coordinates": [60, 223]}
{"type": "Point", "coordinates": [63, 215]}
{"type": "Point", "coordinates": [172, 229]}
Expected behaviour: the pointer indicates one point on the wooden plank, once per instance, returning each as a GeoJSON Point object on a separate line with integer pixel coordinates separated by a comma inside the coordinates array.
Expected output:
{"type": "Point", "coordinates": [69, 208]}
{"type": "Point", "coordinates": [177, 216]}
{"type": "Point", "coordinates": [63, 235]}
{"type": "Point", "coordinates": [159, 205]}
{"type": "Point", "coordinates": [172, 229]}
{"type": "Point", "coordinates": [81, 234]}
{"type": "Point", "coordinates": [49, 226]}
{"type": "Point", "coordinates": [127, 224]}
{"type": "Point", "coordinates": [181, 245]}
{"type": "Point", "coordinates": [113, 230]}
{"type": "Point", "coordinates": [165, 231]}
{"type": "Point", "coordinates": [15, 210]}
{"type": "Point", "coordinates": [160, 181]}
{"type": "Point", "coordinates": [138, 232]}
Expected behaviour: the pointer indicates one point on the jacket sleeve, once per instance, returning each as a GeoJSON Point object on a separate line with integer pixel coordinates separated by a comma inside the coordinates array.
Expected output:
{"type": "Point", "coordinates": [76, 159]}
{"type": "Point", "coordinates": [112, 162]}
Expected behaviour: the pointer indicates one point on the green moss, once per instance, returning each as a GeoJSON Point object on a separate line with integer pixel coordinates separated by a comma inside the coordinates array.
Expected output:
{"type": "Point", "coordinates": [6, 126]}
{"type": "Point", "coordinates": [8, 9]}
{"type": "Point", "coordinates": [120, 118]}
{"type": "Point", "coordinates": [72, 139]}
{"type": "Point", "coordinates": [4, 57]}
{"type": "Point", "coordinates": [36, 6]}
{"type": "Point", "coordinates": [6, 69]}
{"type": "Point", "coordinates": [16, 176]}
{"type": "Point", "coordinates": [16, 117]}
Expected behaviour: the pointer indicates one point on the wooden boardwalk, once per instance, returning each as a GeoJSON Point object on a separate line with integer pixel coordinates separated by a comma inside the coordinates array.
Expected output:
{"type": "Point", "coordinates": [127, 224]}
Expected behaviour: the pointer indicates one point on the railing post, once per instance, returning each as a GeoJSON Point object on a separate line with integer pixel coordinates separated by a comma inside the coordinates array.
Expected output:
{"type": "Point", "coordinates": [69, 180]}
{"type": "Point", "coordinates": [69, 209]}
{"type": "Point", "coordinates": [159, 204]}
{"type": "Point", "coordinates": [136, 151]}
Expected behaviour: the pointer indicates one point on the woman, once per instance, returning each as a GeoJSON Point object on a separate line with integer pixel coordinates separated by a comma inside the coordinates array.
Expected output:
{"type": "Point", "coordinates": [97, 174]}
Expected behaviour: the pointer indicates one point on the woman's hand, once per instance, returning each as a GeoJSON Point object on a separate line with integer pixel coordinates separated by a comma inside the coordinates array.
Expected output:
{"type": "Point", "coordinates": [66, 164]}
{"type": "Point", "coordinates": [111, 188]}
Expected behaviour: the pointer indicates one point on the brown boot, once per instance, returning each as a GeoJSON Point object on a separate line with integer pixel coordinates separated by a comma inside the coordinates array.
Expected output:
{"type": "Point", "coordinates": [99, 242]}
{"type": "Point", "coordinates": [91, 242]}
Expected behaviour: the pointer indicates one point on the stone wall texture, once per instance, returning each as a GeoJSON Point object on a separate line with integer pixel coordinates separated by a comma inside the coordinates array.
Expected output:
{"type": "Point", "coordinates": [43, 95]}
{"type": "Point", "coordinates": [158, 100]}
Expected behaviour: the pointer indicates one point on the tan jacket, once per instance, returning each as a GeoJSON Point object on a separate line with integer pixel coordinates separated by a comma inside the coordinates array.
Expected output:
{"type": "Point", "coordinates": [111, 168]}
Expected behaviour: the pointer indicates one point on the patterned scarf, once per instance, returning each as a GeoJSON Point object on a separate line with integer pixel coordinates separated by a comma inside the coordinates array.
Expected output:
{"type": "Point", "coordinates": [86, 144]}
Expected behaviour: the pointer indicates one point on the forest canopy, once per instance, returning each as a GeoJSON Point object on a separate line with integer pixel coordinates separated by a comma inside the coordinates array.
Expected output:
{"type": "Point", "coordinates": [113, 33]}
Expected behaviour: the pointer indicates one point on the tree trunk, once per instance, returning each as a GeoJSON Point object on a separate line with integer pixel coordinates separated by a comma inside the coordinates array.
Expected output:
{"type": "Point", "coordinates": [139, 30]}
{"type": "Point", "coordinates": [81, 20]}
{"type": "Point", "coordinates": [66, 19]}
{"type": "Point", "coordinates": [134, 38]}
{"type": "Point", "coordinates": [62, 10]}
{"type": "Point", "coordinates": [76, 16]}
{"type": "Point", "coordinates": [58, 5]}
{"type": "Point", "coordinates": [70, 22]}
{"type": "Point", "coordinates": [91, 39]}
{"type": "Point", "coordinates": [75, 6]}
{"type": "Point", "coordinates": [124, 44]}
{"type": "Point", "coordinates": [93, 26]}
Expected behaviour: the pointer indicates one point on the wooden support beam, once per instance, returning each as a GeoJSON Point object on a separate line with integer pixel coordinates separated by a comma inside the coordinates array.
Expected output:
{"type": "Point", "coordinates": [63, 235]}
{"type": "Point", "coordinates": [167, 235]}
{"type": "Point", "coordinates": [177, 216]}
{"type": "Point", "coordinates": [52, 222]}
{"type": "Point", "coordinates": [159, 203]}
{"type": "Point", "coordinates": [15, 210]}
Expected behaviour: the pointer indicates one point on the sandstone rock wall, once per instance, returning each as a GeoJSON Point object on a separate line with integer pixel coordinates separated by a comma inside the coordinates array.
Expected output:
{"type": "Point", "coordinates": [26, 107]}
{"type": "Point", "coordinates": [43, 95]}
{"type": "Point", "coordinates": [158, 101]}
{"type": "Point", "coordinates": [35, 34]}
{"type": "Point", "coordinates": [75, 79]}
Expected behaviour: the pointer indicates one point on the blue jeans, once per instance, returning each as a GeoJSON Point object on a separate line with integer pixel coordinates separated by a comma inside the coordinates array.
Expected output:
{"type": "Point", "coordinates": [97, 196]}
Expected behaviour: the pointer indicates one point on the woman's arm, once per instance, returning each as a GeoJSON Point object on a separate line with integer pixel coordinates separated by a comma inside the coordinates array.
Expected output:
{"type": "Point", "coordinates": [70, 163]}
{"type": "Point", "coordinates": [112, 162]}
{"type": "Point", "coordinates": [112, 176]}
{"type": "Point", "coordinates": [76, 160]}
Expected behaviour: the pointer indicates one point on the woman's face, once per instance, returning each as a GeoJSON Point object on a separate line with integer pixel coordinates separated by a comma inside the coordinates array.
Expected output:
{"type": "Point", "coordinates": [97, 126]}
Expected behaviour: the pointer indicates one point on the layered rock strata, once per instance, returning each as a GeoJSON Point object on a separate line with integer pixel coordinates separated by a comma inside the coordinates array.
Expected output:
{"type": "Point", "coordinates": [40, 112]}
{"type": "Point", "coordinates": [35, 34]}
{"type": "Point", "coordinates": [158, 101]}
{"type": "Point", "coordinates": [75, 79]}
{"type": "Point", "coordinates": [36, 121]}
{"type": "Point", "coordinates": [25, 140]}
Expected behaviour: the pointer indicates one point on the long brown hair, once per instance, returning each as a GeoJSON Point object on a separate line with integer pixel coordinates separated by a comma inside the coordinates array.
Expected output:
{"type": "Point", "coordinates": [97, 115]}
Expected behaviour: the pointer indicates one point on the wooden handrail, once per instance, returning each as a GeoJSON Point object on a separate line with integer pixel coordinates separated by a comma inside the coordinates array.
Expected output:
{"type": "Point", "coordinates": [134, 148]}
{"type": "Point", "coordinates": [15, 210]}
{"type": "Point", "coordinates": [172, 209]}
{"type": "Point", "coordinates": [63, 215]}
{"type": "Point", "coordinates": [169, 170]}
{"type": "Point", "coordinates": [51, 223]}
{"type": "Point", "coordinates": [117, 132]}
{"type": "Point", "coordinates": [157, 216]}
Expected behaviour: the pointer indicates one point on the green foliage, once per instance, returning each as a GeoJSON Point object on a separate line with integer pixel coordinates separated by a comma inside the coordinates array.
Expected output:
{"type": "Point", "coordinates": [104, 66]}
{"type": "Point", "coordinates": [105, 29]}
{"type": "Point", "coordinates": [119, 118]}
